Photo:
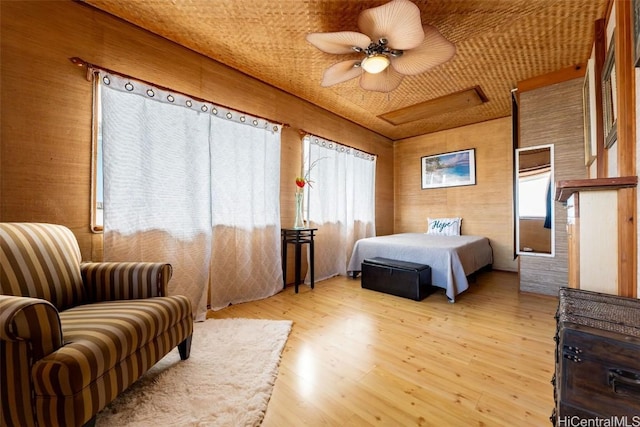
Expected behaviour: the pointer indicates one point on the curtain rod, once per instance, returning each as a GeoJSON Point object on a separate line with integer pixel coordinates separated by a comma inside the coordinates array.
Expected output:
{"type": "Point", "coordinates": [82, 63]}
{"type": "Point", "coordinates": [304, 132]}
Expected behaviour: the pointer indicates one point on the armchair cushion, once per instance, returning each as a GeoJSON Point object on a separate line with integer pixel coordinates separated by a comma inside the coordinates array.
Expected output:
{"type": "Point", "coordinates": [100, 336]}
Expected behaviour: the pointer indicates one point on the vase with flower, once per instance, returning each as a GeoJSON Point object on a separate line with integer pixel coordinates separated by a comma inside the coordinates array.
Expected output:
{"type": "Point", "coordinates": [301, 182]}
{"type": "Point", "coordinates": [299, 220]}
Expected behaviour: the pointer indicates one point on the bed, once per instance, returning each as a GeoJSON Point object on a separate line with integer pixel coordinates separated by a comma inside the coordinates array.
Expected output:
{"type": "Point", "coordinates": [451, 258]}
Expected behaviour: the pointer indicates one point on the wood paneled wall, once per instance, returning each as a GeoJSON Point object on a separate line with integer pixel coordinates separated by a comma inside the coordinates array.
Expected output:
{"type": "Point", "coordinates": [46, 116]}
{"type": "Point", "coordinates": [553, 115]}
{"type": "Point", "coordinates": [637, 208]}
{"type": "Point", "coordinates": [486, 208]}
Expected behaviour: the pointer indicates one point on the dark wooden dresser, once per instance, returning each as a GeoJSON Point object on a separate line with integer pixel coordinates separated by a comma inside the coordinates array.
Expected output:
{"type": "Point", "coordinates": [597, 372]}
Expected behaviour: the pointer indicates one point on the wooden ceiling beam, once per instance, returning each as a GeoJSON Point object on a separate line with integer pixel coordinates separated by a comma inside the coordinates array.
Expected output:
{"type": "Point", "coordinates": [562, 75]}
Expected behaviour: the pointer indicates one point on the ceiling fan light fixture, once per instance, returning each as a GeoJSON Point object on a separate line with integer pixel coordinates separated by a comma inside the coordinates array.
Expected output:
{"type": "Point", "coordinates": [393, 43]}
{"type": "Point", "coordinates": [375, 64]}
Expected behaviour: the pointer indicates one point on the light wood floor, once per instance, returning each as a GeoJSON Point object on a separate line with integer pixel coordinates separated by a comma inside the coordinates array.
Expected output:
{"type": "Point", "coordinates": [356, 357]}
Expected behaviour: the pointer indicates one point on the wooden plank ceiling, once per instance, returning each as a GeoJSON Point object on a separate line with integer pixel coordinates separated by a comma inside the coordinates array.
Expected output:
{"type": "Point", "coordinates": [498, 42]}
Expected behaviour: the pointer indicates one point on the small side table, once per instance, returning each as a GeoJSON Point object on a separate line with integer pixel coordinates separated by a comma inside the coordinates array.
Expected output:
{"type": "Point", "coordinates": [298, 237]}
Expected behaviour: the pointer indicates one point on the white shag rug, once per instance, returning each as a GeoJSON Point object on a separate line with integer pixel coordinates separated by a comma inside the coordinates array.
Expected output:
{"type": "Point", "coordinates": [227, 380]}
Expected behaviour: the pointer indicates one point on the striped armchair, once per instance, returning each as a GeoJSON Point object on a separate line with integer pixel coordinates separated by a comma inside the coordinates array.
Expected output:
{"type": "Point", "coordinates": [74, 335]}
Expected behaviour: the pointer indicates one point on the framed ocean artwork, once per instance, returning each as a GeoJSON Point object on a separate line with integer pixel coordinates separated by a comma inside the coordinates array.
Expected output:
{"type": "Point", "coordinates": [452, 169]}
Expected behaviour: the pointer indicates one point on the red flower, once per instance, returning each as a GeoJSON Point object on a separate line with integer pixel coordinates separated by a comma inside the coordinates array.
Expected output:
{"type": "Point", "coordinates": [305, 180]}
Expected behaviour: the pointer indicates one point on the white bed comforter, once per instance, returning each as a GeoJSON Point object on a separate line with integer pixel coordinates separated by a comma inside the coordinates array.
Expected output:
{"type": "Point", "coordinates": [451, 258]}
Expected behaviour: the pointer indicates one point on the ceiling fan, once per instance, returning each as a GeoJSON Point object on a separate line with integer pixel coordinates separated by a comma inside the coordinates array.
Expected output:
{"type": "Point", "coordinates": [394, 44]}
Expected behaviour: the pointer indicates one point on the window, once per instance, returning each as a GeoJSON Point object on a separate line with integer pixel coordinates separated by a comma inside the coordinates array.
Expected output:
{"type": "Point", "coordinates": [192, 184]}
{"type": "Point", "coordinates": [341, 201]}
{"type": "Point", "coordinates": [536, 188]}
{"type": "Point", "coordinates": [97, 187]}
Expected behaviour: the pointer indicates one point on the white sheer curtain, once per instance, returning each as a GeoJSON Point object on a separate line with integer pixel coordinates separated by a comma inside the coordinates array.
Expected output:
{"type": "Point", "coordinates": [341, 202]}
{"type": "Point", "coordinates": [246, 263]}
{"type": "Point", "coordinates": [169, 165]}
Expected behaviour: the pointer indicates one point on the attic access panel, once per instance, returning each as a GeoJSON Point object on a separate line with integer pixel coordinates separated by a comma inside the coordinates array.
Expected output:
{"type": "Point", "coordinates": [455, 101]}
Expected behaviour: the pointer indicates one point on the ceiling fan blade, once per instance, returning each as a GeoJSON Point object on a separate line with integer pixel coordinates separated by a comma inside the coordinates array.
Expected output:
{"type": "Point", "coordinates": [339, 42]}
{"type": "Point", "coordinates": [435, 50]}
{"type": "Point", "coordinates": [341, 72]}
{"type": "Point", "coordinates": [385, 81]}
{"type": "Point", "coordinates": [398, 21]}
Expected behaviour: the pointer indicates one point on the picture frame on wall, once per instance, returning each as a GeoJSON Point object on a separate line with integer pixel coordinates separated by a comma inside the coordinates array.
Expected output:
{"type": "Point", "coordinates": [453, 169]}
{"type": "Point", "coordinates": [609, 97]}
{"type": "Point", "coordinates": [589, 155]}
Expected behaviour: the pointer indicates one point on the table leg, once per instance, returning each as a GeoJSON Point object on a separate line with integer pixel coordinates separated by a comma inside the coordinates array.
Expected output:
{"type": "Point", "coordinates": [284, 263]}
{"type": "Point", "coordinates": [311, 258]}
{"type": "Point", "coordinates": [298, 250]}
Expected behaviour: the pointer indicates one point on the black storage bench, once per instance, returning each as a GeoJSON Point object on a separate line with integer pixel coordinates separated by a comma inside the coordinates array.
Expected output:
{"type": "Point", "coordinates": [399, 278]}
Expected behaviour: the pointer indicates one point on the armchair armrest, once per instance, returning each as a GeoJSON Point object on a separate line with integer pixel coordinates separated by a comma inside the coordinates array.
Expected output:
{"type": "Point", "coordinates": [109, 281]}
{"type": "Point", "coordinates": [30, 319]}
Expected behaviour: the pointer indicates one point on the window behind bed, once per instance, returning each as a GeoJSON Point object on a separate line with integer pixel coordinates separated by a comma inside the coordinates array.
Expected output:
{"type": "Point", "coordinates": [341, 201]}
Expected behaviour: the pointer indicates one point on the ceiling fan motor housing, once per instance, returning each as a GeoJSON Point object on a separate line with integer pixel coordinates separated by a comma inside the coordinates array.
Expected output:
{"type": "Point", "coordinates": [380, 48]}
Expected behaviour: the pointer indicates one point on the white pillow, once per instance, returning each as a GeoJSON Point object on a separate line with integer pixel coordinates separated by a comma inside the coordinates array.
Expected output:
{"type": "Point", "coordinates": [444, 226]}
